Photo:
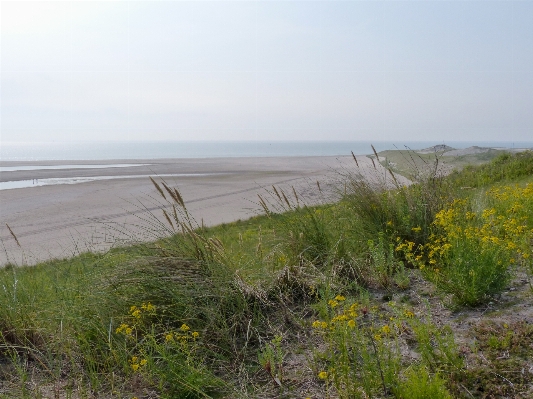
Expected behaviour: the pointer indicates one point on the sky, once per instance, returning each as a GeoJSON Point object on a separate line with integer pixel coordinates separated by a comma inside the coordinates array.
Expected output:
{"type": "Point", "coordinates": [266, 70]}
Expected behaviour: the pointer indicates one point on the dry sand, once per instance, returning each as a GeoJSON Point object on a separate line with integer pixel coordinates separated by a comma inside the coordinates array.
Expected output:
{"type": "Point", "coordinates": [59, 221]}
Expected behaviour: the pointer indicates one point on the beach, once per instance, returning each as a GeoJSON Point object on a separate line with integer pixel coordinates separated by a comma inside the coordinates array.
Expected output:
{"type": "Point", "coordinates": [119, 205]}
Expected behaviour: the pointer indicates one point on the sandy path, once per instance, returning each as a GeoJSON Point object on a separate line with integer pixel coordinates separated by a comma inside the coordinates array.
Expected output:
{"type": "Point", "coordinates": [58, 221]}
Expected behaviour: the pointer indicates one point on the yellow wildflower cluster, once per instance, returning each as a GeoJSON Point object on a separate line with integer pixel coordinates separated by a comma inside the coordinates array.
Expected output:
{"type": "Point", "coordinates": [408, 314]}
{"type": "Point", "coordinates": [323, 375]}
{"type": "Point", "coordinates": [136, 314]}
{"type": "Point", "coordinates": [352, 331]}
{"type": "Point", "coordinates": [320, 324]}
{"type": "Point", "coordinates": [124, 329]}
{"type": "Point", "coordinates": [183, 335]}
{"type": "Point", "coordinates": [137, 363]}
{"type": "Point", "coordinates": [333, 303]}
{"type": "Point", "coordinates": [354, 314]}
{"type": "Point", "coordinates": [505, 226]}
{"type": "Point", "coordinates": [345, 315]}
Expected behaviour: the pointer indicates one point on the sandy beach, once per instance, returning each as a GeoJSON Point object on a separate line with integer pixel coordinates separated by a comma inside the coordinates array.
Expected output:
{"type": "Point", "coordinates": [62, 220]}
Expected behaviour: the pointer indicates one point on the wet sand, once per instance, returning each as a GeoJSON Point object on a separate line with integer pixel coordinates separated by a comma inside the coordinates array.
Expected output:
{"type": "Point", "coordinates": [58, 221]}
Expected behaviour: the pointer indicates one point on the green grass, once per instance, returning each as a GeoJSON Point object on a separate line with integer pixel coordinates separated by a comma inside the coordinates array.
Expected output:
{"type": "Point", "coordinates": [505, 167]}
{"type": "Point", "coordinates": [412, 164]}
{"type": "Point", "coordinates": [304, 301]}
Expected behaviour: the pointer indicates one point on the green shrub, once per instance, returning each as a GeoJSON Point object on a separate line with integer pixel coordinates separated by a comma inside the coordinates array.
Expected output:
{"type": "Point", "coordinates": [502, 168]}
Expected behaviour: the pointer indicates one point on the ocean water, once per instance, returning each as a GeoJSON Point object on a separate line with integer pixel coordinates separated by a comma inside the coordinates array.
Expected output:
{"type": "Point", "coordinates": [129, 150]}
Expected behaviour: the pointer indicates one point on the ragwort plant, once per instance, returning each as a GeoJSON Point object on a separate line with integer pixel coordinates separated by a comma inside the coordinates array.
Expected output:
{"type": "Point", "coordinates": [364, 349]}
{"type": "Point", "coordinates": [511, 214]}
{"type": "Point", "coordinates": [173, 360]}
{"type": "Point", "coordinates": [471, 251]}
{"type": "Point", "coordinates": [361, 357]}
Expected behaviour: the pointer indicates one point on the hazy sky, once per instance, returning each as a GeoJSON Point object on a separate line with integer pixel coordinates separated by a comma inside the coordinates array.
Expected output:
{"type": "Point", "coordinates": [267, 70]}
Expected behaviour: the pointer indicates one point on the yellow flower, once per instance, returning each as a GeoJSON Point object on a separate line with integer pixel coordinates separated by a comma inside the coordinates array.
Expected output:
{"type": "Point", "coordinates": [121, 328]}
{"type": "Point", "coordinates": [195, 334]}
{"type": "Point", "coordinates": [333, 303]}
{"type": "Point", "coordinates": [341, 317]}
{"type": "Point", "coordinates": [385, 329]}
{"type": "Point", "coordinates": [135, 367]}
{"type": "Point", "coordinates": [320, 324]}
{"type": "Point", "coordinates": [340, 298]}
{"type": "Point", "coordinates": [184, 327]}
{"type": "Point", "coordinates": [322, 375]}
{"type": "Point", "coordinates": [143, 362]}
{"type": "Point", "coordinates": [169, 337]}
{"type": "Point", "coordinates": [417, 229]}
{"type": "Point", "coordinates": [148, 307]}
{"type": "Point", "coordinates": [377, 337]}
{"type": "Point", "coordinates": [129, 331]}
{"type": "Point", "coordinates": [408, 314]}
{"type": "Point", "coordinates": [351, 323]}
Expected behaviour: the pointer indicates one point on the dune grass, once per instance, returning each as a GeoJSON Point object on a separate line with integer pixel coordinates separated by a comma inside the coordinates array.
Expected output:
{"type": "Point", "coordinates": [303, 301]}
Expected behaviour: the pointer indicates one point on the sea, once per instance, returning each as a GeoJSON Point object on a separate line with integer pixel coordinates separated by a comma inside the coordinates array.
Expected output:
{"type": "Point", "coordinates": [139, 150]}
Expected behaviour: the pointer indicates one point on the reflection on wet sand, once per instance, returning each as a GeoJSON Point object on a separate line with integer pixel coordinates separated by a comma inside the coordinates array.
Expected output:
{"type": "Point", "coordinates": [7, 185]}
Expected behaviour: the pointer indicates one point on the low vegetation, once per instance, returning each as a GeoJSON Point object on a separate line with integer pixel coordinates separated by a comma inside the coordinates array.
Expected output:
{"type": "Point", "coordinates": [419, 291]}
